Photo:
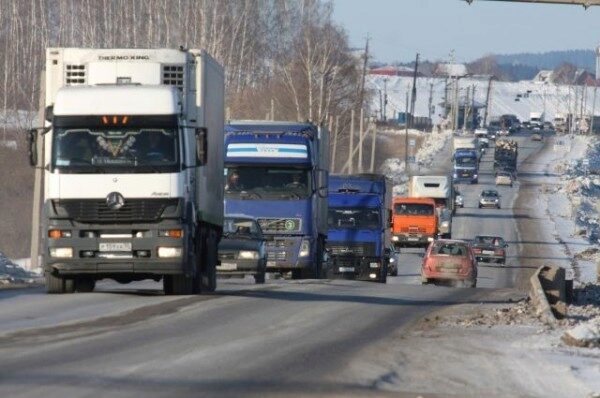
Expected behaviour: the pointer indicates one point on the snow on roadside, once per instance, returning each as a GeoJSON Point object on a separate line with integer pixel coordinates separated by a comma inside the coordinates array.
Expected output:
{"type": "Point", "coordinates": [394, 168]}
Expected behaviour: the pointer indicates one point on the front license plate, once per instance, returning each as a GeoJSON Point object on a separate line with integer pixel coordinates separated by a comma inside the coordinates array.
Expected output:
{"type": "Point", "coordinates": [115, 247]}
{"type": "Point", "coordinates": [413, 239]}
{"type": "Point", "coordinates": [346, 269]}
{"type": "Point", "coordinates": [488, 252]}
{"type": "Point", "coordinates": [228, 266]}
{"type": "Point", "coordinates": [271, 263]}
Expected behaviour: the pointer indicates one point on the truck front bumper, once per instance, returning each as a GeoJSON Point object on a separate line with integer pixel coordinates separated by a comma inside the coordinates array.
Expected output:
{"type": "Point", "coordinates": [283, 253]}
{"type": "Point", "coordinates": [360, 268]}
{"type": "Point", "coordinates": [116, 249]}
{"type": "Point", "coordinates": [408, 239]}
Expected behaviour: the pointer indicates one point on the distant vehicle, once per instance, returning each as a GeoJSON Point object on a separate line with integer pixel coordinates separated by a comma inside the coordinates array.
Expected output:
{"type": "Point", "coordinates": [492, 134]}
{"type": "Point", "coordinates": [560, 123]}
{"type": "Point", "coordinates": [536, 119]}
{"type": "Point", "coordinates": [489, 249]}
{"type": "Point", "coordinates": [503, 132]}
{"type": "Point", "coordinates": [489, 198]}
{"type": "Point", "coordinates": [481, 132]}
{"type": "Point", "coordinates": [504, 178]}
{"type": "Point", "coordinates": [547, 126]}
{"type": "Point", "coordinates": [506, 153]}
{"type": "Point", "coordinates": [465, 143]}
{"type": "Point", "coordinates": [394, 261]}
{"type": "Point", "coordinates": [449, 260]}
{"type": "Point", "coordinates": [242, 248]}
{"type": "Point", "coordinates": [466, 166]}
{"type": "Point", "coordinates": [415, 221]}
{"type": "Point", "coordinates": [494, 125]}
{"type": "Point", "coordinates": [536, 137]}
{"type": "Point", "coordinates": [441, 190]}
{"type": "Point", "coordinates": [459, 200]}
{"type": "Point", "coordinates": [484, 142]}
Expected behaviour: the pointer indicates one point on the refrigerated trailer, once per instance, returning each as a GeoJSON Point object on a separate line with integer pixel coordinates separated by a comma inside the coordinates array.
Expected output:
{"type": "Point", "coordinates": [133, 165]}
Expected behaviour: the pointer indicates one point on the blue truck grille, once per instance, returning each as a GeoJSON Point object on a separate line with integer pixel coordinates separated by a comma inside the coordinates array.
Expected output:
{"type": "Point", "coordinates": [271, 225]}
{"type": "Point", "coordinates": [356, 249]}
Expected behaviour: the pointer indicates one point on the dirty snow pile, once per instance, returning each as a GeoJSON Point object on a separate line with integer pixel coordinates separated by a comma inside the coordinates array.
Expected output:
{"type": "Point", "coordinates": [12, 273]}
{"type": "Point", "coordinates": [394, 168]}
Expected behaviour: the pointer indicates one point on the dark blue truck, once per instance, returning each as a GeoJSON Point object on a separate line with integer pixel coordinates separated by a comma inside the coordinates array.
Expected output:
{"type": "Point", "coordinates": [466, 166]}
{"type": "Point", "coordinates": [277, 172]}
{"type": "Point", "coordinates": [359, 219]}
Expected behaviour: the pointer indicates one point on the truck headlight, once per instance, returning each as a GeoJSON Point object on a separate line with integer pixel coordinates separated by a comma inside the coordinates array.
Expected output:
{"type": "Point", "coordinates": [304, 248]}
{"type": "Point", "coordinates": [248, 255]}
{"type": "Point", "coordinates": [429, 239]}
{"type": "Point", "coordinates": [455, 175]}
{"type": "Point", "coordinates": [392, 259]}
{"type": "Point", "coordinates": [169, 252]}
{"type": "Point", "coordinates": [445, 224]}
{"type": "Point", "coordinates": [475, 175]}
{"type": "Point", "coordinates": [61, 252]}
{"type": "Point", "coordinates": [395, 238]}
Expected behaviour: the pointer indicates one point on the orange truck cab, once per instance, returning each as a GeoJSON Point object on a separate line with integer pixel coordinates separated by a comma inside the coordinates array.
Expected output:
{"type": "Point", "coordinates": [415, 221]}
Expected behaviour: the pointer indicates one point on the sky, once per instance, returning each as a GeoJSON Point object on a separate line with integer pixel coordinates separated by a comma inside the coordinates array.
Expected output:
{"type": "Point", "coordinates": [400, 28]}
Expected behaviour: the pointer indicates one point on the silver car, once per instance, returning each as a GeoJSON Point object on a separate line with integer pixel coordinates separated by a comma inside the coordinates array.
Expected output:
{"type": "Point", "coordinates": [489, 198]}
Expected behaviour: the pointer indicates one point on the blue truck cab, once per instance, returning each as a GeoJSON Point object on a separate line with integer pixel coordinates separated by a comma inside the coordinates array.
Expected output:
{"type": "Point", "coordinates": [466, 166]}
{"type": "Point", "coordinates": [277, 172]}
{"type": "Point", "coordinates": [359, 220]}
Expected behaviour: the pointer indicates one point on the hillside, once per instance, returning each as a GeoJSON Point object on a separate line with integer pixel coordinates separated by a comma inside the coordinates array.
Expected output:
{"type": "Point", "coordinates": [550, 60]}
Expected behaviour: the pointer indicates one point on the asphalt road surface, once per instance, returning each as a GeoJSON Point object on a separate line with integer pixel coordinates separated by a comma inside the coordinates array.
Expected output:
{"type": "Point", "coordinates": [292, 338]}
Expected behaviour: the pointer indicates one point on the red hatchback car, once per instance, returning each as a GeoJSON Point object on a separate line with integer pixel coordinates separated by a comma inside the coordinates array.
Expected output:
{"type": "Point", "coordinates": [450, 260]}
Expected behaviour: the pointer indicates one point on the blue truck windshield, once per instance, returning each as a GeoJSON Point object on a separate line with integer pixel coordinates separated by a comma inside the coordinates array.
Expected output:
{"type": "Point", "coordinates": [353, 218]}
{"type": "Point", "coordinates": [267, 183]}
{"type": "Point", "coordinates": [115, 150]}
{"type": "Point", "coordinates": [465, 161]}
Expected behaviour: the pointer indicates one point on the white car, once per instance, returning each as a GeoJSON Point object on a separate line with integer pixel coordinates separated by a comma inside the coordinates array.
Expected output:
{"type": "Point", "coordinates": [481, 132]}
{"type": "Point", "coordinates": [504, 179]}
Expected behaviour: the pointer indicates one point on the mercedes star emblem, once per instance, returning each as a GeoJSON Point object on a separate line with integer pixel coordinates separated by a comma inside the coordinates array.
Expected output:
{"type": "Point", "coordinates": [115, 201]}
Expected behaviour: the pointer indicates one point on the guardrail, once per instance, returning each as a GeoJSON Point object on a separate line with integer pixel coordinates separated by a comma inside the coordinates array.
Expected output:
{"type": "Point", "coordinates": [548, 293]}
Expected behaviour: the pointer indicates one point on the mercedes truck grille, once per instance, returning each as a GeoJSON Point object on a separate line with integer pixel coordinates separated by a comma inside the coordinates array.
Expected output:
{"type": "Point", "coordinates": [97, 211]}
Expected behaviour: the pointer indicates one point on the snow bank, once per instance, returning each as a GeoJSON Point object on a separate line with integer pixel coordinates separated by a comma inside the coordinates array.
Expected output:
{"type": "Point", "coordinates": [12, 273]}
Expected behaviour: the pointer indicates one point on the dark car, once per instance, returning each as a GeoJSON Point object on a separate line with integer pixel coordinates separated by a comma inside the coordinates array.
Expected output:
{"type": "Point", "coordinates": [242, 249]}
{"type": "Point", "coordinates": [489, 198]}
{"type": "Point", "coordinates": [489, 249]}
{"type": "Point", "coordinates": [394, 260]}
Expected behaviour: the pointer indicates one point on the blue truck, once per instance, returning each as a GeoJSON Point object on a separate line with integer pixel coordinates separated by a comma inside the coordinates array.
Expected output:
{"type": "Point", "coordinates": [466, 166]}
{"type": "Point", "coordinates": [277, 172]}
{"type": "Point", "coordinates": [359, 220]}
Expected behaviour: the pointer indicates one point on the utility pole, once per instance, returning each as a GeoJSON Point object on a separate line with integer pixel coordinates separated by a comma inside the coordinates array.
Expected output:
{"type": "Point", "coordinates": [456, 105]}
{"type": "Point", "coordinates": [488, 101]}
{"type": "Point", "coordinates": [351, 149]}
{"type": "Point", "coordinates": [430, 100]}
{"type": "Point", "coordinates": [361, 93]}
{"type": "Point", "coordinates": [593, 108]}
{"type": "Point", "coordinates": [414, 91]}
{"type": "Point", "coordinates": [466, 109]}
{"type": "Point", "coordinates": [373, 143]}
{"type": "Point", "coordinates": [38, 181]}
{"type": "Point", "coordinates": [385, 99]}
{"type": "Point", "coordinates": [335, 141]}
{"type": "Point", "coordinates": [380, 105]}
{"type": "Point", "coordinates": [446, 98]}
{"type": "Point", "coordinates": [360, 147]}
{"type": "Point", "coordinates": [406, 138]}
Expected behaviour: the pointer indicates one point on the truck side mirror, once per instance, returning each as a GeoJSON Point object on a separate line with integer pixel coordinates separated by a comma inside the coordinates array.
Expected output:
{"type": "Point", "coordinates": [49, 113]}
{"type": "Point", "coordinates": [32, 147]}
{"type": "Point", "coordinates": [201, 146]}
{"type": "Point", "coordinates": [390, 218]}
{"type": "Point", "coordinates": [322, 183]}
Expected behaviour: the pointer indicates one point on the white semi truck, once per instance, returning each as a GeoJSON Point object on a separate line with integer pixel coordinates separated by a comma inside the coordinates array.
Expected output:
{"type": "Point", "coordinates": [440, 189]}
{"type": "Point", "coordinates": [133, 168]}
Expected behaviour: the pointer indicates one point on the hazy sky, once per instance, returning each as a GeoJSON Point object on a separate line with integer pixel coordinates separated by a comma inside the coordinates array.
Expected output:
{"type": "Point", "coordinates": [400, 28]}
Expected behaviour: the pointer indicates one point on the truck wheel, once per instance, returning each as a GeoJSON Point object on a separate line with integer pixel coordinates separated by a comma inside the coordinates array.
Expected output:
{"type": "Point", "coordinates": [259, 279]}
{"type": "Point", "coordinates": [57, 285]}
{"type": "Point", "coordinates": [177, 285]}
{"type": "Point", "coordinates": [85, 285]}
{"type": "Point", "coordinates": [208, 274]}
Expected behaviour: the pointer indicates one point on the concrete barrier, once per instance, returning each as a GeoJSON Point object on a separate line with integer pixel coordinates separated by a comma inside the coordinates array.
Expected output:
{"type": "Point", "coordinates": [548, 293]}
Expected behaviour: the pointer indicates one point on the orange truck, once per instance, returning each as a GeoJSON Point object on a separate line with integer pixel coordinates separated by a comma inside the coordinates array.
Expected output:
{"type": "Point", "coordinates": [415, 221]}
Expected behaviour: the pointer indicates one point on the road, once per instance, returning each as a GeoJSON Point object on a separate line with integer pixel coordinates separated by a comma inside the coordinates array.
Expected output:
{"type": "Point", "coordinates": [292, 338]}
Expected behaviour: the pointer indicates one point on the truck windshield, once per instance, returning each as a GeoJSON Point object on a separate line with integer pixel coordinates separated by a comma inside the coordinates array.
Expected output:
{"type": "Point", "coordinates": [267, 182]}
{"type": "Point", "coordinates": [115, 150]}
{"type": "Point", "coordinates": [352, 218]}
{"type": "Point", "coordinates": [467, 161]}
{"type": "Point", "coordinates": [414, 209]}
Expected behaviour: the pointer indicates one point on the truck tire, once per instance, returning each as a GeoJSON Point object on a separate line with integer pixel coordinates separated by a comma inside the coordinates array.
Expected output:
{"type": "Point", "coordinates": [424, 281]}
{"type": "Point", "coordinates": [175, 285]}
{"type": "Point", "coordinates": [58, 285]}
{"type": "Point", "coordinates": [85, 284]}
{"type": "Point", "coordinates": [259, 278]}
{"type": "Point", "coordinates": [297, 274]}
{"type": "Point", "coordinates": [208, 270]}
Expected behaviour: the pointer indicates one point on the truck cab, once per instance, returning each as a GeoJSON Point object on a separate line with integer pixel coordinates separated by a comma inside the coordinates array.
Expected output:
{"type": "Point", "coordinates": [359, 218]}
{"type": "Point", "coordinates": [277, 173]}
{"type": "Point", "coordinates": [466, 166]}
{"type": "Point", "coordinates": [127, 168]}
{"type": "Point", "coordinates": [415, 221]}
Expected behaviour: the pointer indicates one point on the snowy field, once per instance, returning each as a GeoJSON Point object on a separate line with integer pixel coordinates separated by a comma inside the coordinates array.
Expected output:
{"type": "Point", "coordinates": [548, 98]}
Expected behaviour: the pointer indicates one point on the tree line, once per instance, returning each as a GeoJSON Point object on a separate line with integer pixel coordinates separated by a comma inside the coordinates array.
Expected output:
{"type": "Point", "coordinates": [284, 59]}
